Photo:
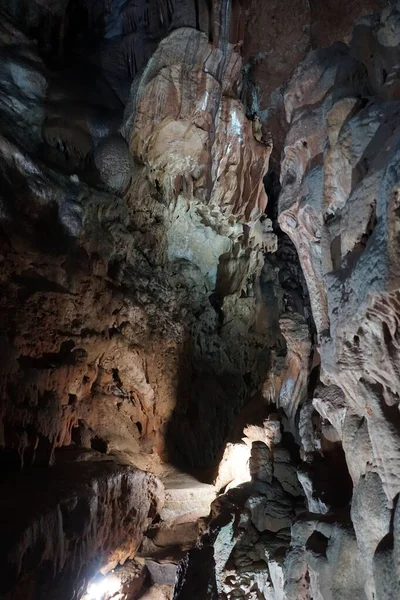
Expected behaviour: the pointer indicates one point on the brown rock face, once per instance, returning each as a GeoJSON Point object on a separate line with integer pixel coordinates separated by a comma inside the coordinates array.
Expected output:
{"type": "Point", "coordinates": [193, 136]}
{"type": "Point", "coordinates": [70, 521]}
{"type": "Point", "coordinates": [106, 368]}
{"type": "Point", "coordinates": [190, 133]}
{"type": "Point", "coordinates": [119, 262]}
{"type": "Point", "coordinates": [277, 37]}
{"type": "Point", "coordinates": [199, 281]}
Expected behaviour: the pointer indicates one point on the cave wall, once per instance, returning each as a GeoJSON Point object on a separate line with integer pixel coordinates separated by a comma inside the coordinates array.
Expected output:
{"type": "Point", "coordinates": [338, 204]}
{"type": "Point", "coordinates": [107, 254]}
{"type": "Point", "coordinates": [113, 307]}
{"type": "Point", "coordinates": [199, 254]}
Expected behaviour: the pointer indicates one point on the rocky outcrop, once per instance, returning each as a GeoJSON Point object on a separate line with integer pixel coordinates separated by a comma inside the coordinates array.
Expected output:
{"type": "Point", "coordinates": [246, 536]}
{"type": "Point", "coordinates": [70, 521]}
{"type": "Point", "coordinates": [195, 145]}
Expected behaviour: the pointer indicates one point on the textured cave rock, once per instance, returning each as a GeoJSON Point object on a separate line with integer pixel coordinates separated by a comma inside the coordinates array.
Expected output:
{"type": "Point", "coordinates": [244, 538]}
{"type": "Point", "coordinates": [70, 521]}
{"type": "Point", "coordinates": [199, 285]}
{"type": "Point", "coordinates": [214, 233]}
{"type": "Point", "coordinates": [112, 312]}
{"type": "Point", "coordinates": [337, 201]}
{"type": "Point", "coordinates": [81, 249]}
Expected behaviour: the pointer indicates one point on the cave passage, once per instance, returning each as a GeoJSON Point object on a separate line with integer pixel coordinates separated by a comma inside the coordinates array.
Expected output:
{"type": "Point", "coordinates": [200, 300]}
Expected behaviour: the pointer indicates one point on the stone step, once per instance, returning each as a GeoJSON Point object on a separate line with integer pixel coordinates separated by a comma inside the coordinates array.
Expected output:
{"type": "Point", "coordinates": [186, 498]}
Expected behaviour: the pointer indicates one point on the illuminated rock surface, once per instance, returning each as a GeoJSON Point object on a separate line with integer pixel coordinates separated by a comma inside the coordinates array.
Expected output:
{"type": "Point", "coordinates": [199, 302]}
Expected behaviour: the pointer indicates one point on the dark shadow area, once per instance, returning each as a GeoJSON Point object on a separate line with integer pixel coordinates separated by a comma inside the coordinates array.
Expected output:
{"type": "Point", "coordinates": [317, 543]}
{"type": "Point", "coordinates": [207, 406]}
{"type": "Point", "coordinates": [330, 477]}
{"type": "Point", "coordinates": [214, 404]}
{"type": "Point", "coordinates": [291, 278]}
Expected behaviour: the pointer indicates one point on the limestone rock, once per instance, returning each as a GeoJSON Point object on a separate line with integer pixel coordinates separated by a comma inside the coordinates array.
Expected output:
{"type": "Point", "coordinates": [285, 471]}
{"type": "Point", "coordinates": [113, 163]}
{"type": "Point", "coordinates": [260, 462]}
{"type": "Point", "coordinates": [161, 573]}
{"type": "Point", "coordinates": [294, 387]}
{"type": "Point", "coordinates": [371, 517]}
{"type": "Point", "coordinates": [65, 519]}
{"type": "Point", "coordinates": [199, 271]}
{"type": "Point", "coordinates": [184, 108]}
{"type": "Point", "coordinates": [234, 466]}
{"type": "Point", "coordinates": [184, 495]}
{"type": "Point", "coordinates": [338, 155]}
{"type": "Point", "coordinates": [158, 592]}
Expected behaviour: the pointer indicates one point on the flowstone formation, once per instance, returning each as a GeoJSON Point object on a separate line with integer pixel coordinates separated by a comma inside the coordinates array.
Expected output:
{"type": "Point", "coordinates": [199, 300]}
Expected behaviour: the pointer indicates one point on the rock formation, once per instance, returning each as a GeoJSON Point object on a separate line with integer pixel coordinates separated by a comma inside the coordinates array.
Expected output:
{"type": "Point", "coordinates": [199, 300]}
